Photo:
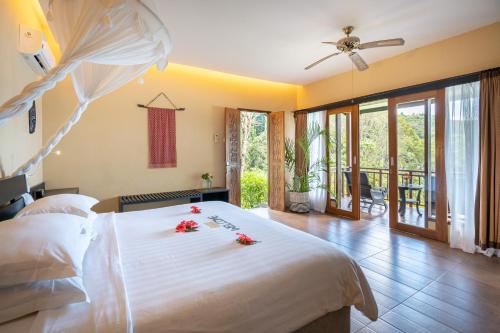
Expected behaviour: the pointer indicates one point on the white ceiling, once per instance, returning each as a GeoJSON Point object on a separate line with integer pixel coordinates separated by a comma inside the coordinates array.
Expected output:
{"type": "Point", "coordinates": [276, 39]}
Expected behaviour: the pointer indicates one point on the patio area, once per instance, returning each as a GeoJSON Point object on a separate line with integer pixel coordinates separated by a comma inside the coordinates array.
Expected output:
{"type": "Point", "coordinates": [412, 201]}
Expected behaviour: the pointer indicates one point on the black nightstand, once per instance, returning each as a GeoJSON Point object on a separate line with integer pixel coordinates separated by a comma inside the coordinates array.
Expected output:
{"type": "Point", "coordinates": [40, 193]}
{"type": "Point", "coordinates": [214, 194]}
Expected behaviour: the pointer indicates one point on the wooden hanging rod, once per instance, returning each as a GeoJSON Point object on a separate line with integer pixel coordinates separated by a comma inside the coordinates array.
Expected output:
{"type": "Point", "coordinates": [156, 97]}
{"type": "Point", "coordinates": [145, 107]}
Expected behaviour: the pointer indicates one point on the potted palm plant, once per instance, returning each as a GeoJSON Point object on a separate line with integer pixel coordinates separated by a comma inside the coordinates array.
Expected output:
{"type": "Point", "coordinates": [309, 179]}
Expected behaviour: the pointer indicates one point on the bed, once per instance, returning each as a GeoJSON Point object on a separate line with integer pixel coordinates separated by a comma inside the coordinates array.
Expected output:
{"type": "Point", "coordinates": [142, 276]}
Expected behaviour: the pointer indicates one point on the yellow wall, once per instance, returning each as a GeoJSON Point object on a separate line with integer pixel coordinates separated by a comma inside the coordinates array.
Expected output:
{"type": "Point", "coordinates": [470, 52]}
{"type": "Point", "coordinates": [106, 153]}
{"type": "Point", "coordinates": [16, 144]}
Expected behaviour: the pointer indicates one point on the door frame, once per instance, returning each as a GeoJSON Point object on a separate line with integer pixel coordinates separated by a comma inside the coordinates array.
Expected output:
{"type": "Point", "coordinates": [355, 212]}
{"type": "Point", "coordinates": [275, 156]}
{"type": "Point", "coordinates": [441, 231]}
{"type": "Point", "coordinates": [232, 125]}
{"type": "Point", "coordinates": [276, 160]}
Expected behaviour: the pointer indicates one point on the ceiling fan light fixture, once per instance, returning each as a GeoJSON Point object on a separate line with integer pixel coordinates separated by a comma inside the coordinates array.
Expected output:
{"type": "Point", "coordinates": [350, 43]}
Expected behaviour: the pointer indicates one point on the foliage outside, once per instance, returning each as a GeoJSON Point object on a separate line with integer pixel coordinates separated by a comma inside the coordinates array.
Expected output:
{"type": "Point", "coordinates": [411, 145]}
{"type": "Point", "coordinates": [373, 152]}
{"type": "Point", "coordinates": [253, 136]}
{"type": "Point", "coordinates": [311, 177]}
{"type": "Point", "coordinates": [253, 189]}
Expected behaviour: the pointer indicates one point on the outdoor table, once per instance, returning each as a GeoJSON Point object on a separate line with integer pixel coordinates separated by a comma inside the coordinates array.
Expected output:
{"type": "Point", "coordinates": [402, 195]}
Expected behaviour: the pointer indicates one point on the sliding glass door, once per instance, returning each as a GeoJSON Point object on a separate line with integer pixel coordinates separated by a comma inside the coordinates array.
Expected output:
{"type": "Point", "coordinates": [343, 169]}
{"type": "Point", "coordinates": [417, 191]}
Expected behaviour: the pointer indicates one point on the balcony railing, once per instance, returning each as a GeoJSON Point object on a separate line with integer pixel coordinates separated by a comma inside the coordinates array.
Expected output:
{"type": "Point", "coordinates": [379, 177]}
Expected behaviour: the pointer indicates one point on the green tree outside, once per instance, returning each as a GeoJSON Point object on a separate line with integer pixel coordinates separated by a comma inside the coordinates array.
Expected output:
{"type": "Point", "coordinates": [253, 136]}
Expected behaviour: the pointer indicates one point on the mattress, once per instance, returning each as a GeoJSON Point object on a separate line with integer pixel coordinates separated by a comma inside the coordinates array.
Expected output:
{"type": "Point", "coordinates": [204, 281]}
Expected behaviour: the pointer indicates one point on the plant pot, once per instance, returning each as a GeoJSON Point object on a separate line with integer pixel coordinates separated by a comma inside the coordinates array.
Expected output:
{"type": "Point", "coordinates": [299, 202]}
{"type": "Point", "coordinates": [207, 183]}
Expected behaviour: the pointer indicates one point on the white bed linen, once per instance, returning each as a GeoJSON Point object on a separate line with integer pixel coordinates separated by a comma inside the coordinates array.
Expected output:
{"type": "Point", "coordinates": [108, 310]}
{"type": "Point", "coordinates": [206, 282]}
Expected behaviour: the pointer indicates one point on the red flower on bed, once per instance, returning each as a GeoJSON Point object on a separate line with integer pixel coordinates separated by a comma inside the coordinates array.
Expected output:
{"type": "Point", "coordinates": [245, 240]}
{"type": "Point", "coordinates": [187, 226]}
{"type": "Point", "coordinates": [195, 210]}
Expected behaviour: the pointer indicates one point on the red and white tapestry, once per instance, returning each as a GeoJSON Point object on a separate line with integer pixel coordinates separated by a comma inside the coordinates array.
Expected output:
{"type": "Point", "coordinates": [161, 132]}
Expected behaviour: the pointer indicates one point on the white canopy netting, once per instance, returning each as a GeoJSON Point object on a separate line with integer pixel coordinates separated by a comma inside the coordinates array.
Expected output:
{"type": "Point", "coordinates": [104, 44]}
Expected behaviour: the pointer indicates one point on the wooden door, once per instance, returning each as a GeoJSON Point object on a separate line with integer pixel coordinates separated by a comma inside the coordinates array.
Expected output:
{"type": "Point", "coordinates": [417, 187]}
{"type": "Point", "coordinates": [233, 157]}
{"type": "Point", "coordinates": [342, 126]}
{"type": "Point", "coordinates": [276, 123]}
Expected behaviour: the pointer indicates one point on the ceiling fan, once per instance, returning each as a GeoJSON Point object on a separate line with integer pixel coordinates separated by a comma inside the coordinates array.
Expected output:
{"type": "Point", "coordinates": [350, 44]}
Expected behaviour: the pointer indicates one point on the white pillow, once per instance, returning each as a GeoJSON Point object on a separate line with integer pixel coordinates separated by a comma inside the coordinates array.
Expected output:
{"type": "Point", "coordinates": [75, 204]}
{"type": "Point", "coordinates": [42, 247]}
{"type": "Point", "coordinates": [26, 298]}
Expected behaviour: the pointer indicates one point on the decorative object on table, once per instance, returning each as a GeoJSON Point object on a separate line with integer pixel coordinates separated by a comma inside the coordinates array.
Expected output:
{"type": "Point", "coordinates": [308, 179]}
{"type": "Point", "coordinates": [32, 118]}
{"type": "Point", "coordinates": [207, 180]}
{"type": "Point", "coordinates": [245, 240]}
{"type": "Point", "coordinates": [406, 179]}
{"type": "Point", "coordinates": [187, 226]}
{"type": "Point", "coordinates": [162, 134]}
{"type": "Point", "coordinates": [195, 210]}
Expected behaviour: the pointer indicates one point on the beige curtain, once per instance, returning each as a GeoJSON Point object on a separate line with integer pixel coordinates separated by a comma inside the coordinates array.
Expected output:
{"type": "Point", "coordinates": [488, 208]}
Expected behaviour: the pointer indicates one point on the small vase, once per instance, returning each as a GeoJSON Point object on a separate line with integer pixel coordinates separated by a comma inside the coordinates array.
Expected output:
{"type": "Point", "coordinates": [207, 183]}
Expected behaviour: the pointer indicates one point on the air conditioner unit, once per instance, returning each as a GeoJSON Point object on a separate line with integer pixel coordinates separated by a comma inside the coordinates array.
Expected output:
{"type": "Point", "coordinates": [35, 50]}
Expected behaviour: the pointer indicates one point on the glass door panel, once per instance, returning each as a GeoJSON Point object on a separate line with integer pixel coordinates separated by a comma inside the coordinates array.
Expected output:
{"type": "Point", "coordinates": [343, 197]}
{"type": "Point", "coordinates": [415, 172]}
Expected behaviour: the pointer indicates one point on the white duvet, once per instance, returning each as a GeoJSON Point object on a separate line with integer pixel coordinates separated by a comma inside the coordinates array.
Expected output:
{"type": "Point", "coordinates": [206, 282]}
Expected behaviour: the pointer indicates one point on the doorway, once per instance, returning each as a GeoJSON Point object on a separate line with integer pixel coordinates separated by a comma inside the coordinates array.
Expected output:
{"type": "Point", "coordinates": [342, 156]}
{"type": "Point", "coordinates": [417, 191]}
{"type": "Point", "coordinates": [255, 166]}
{"type": "Point", "coordinates": [254, 159]}
{"type": "Point", "coordinates": [374, 160]}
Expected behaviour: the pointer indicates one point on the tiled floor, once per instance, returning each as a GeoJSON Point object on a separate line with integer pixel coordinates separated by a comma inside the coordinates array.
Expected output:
{"type": "Point", "coordinates": [420, 285]}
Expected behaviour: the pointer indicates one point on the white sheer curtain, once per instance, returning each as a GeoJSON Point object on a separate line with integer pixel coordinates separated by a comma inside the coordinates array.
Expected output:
{"type": "Point", "coordinates": [105, 44]}
{"type": "Point", "coordinates": [462, 157]}
{"type": "Point", "coordinates": [317, 196]}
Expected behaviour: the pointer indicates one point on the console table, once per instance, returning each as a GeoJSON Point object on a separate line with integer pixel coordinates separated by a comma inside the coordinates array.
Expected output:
{"type": "Point", "coordinates": [196, 195]}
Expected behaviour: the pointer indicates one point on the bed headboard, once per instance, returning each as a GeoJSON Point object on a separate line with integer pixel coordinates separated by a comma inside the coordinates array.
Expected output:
{"type": "Point", "coordinates": [11, 189]}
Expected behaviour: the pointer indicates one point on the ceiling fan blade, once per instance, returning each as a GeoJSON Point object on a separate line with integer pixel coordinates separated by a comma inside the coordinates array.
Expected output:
{"type": "Point", "coordinates": [358, 61]}
{"type": "Point", "coordinates": [381, 43]}
{"type": "Point", "coordinates": [332, 43]}
{"type": "Point", "coordinates": [322, 59]}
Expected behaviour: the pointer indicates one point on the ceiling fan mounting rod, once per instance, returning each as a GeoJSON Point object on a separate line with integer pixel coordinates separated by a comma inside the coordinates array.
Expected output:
{"type": "Point", "coordinates": [348, 30]}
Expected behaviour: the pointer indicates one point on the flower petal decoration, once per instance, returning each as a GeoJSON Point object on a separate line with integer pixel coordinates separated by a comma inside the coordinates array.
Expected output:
{"type": "Point", "coordinates": [195, 210]}
{"type": "Point", "coordinates": [245, 240]}
{"type": "Point", "coordinates": [187, 226]}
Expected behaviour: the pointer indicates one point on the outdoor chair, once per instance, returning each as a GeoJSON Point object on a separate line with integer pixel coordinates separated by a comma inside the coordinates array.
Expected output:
{"type": "Point", "coordinates": [369, 195]}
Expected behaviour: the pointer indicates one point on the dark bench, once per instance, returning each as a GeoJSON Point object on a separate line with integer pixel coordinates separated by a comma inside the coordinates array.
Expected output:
{"type": "Point", "coordinates": [197, 195]}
